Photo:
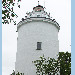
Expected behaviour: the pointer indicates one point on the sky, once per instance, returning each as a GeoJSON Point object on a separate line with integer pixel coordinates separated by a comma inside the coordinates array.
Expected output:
{"type": "Point", "coordinates": [59, 10]}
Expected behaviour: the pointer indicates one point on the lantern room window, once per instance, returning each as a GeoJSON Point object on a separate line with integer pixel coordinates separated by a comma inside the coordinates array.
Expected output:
{"type": "Point", "coordinates": [38, 10]}
{"type": "Point", "coordinates": [38, 15]}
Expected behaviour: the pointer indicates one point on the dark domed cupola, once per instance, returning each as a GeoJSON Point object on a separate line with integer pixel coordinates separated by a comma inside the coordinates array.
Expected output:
{"type": "Point", "coordinates": [38, 8]}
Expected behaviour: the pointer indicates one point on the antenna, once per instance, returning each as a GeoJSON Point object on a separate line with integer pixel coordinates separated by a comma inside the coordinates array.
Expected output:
{"type": "Point", "coordinates": [44, 4]}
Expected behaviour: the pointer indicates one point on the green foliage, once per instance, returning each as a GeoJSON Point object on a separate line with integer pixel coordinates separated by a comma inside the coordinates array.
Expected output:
{"type": "Point", "coordinates": [47, 66]}
{"type": "Point", "coordinates": [65, 63]}
{"type": "Point", "coordinates": [51, 66]}
{"type": "Point", "coordinates": [8, 13]}
{"type": "Point", "coordinates": [18, 73]}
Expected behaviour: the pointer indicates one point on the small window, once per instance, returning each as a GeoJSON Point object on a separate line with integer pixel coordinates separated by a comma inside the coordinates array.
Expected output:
{"type": "Point", "coordinates": [39, 45]}
{"type": "Point", "coordinates": [38, 15]}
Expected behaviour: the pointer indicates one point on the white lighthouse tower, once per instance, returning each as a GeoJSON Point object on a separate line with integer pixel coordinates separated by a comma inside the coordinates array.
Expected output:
{"type": "Point", "coordinates": [37, 35]}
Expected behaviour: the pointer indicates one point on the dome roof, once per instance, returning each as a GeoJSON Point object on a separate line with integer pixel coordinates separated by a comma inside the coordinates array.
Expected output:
{"type": "Point", "coordinates": [38, 6]}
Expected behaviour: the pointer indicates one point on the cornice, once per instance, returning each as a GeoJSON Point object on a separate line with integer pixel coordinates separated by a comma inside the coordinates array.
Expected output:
{"type": "Point", "coordinates": [40, 19]}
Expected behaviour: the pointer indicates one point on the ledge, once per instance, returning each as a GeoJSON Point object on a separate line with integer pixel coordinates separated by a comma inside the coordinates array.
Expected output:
{"type": "Point", "coordinates": [41, 19]}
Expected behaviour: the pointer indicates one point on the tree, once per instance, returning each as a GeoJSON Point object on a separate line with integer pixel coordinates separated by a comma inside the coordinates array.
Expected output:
{"type": "Point", "coordinates": [53, 66]}
{"type": "Point", "coordinates": [65, 63]}
{"type": "Point", "coordinates": [8, 13]}
{"type": "Point", "coordinates": [18, 73]}
{"type": "Point", "coordinates": [47, 66]}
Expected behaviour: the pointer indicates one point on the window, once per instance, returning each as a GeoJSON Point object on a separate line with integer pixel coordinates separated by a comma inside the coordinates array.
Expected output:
{"type": "Point", "coordinates": [39, 45]}
{"type": "Point", "coordinates": [38, 15]}
{"type": "Point", "coordinates": [38, 10]}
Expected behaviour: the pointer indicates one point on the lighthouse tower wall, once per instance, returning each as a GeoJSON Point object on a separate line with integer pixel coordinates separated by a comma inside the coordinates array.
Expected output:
{"type": "Point", "coordinates": [28, 36]}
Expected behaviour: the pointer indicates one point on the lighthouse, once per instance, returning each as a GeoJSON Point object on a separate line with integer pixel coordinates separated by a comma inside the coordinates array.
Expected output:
{"type": "Point", "coordinates": [37, 35]}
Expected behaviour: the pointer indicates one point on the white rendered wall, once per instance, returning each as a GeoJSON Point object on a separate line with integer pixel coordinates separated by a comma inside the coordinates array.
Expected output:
{"type": "Point", "coordinates": [28, 36]}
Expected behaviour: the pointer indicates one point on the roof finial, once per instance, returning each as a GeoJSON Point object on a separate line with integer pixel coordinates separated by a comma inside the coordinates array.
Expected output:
{"type": "Point", "coordinates": [38, 2]}
{"type": "Point", "coordinates": [44, 4]}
